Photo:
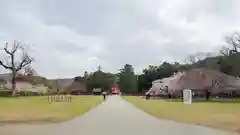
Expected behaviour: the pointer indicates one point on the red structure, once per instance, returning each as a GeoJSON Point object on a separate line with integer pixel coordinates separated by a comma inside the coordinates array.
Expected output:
{"type": "Point", "coordinates": [116, 90]}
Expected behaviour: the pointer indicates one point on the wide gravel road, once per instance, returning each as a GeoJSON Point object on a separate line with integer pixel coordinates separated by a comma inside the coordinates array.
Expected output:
{"type": "Point", "coordinates": [114, 117]}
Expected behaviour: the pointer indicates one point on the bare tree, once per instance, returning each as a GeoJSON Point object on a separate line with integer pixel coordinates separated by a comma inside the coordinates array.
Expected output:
{"type": "Point", "coordinates": [194, 58]}
{"type": "Point", "coordinates": [234, 41]}
{"type": "Point", "coordinates": [233, 44]}
{"type": "Point", "coordinates": [225, 51]}
{"type": "Point", "coordinates": [29, 71]}
{"type": "Point", "coordinates": [14, 65]}
{"type": "Point", "coordinates": [191, 59]}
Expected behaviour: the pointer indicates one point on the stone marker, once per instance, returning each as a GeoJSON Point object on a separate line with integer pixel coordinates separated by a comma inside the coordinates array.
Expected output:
{"type": "Point", "coordinates": [187, 96]}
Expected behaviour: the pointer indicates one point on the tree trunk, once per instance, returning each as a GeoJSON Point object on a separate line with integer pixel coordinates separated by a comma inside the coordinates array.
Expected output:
{"type": "Point", "coordinates": [14, 92]}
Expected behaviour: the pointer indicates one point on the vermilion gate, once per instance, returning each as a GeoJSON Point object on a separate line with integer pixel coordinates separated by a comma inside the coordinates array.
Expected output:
{"type": "Point", "coordinates": [116, 89]}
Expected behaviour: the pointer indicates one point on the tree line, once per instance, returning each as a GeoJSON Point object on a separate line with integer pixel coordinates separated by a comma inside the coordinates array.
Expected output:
{"type": "Point", "coordinates": [226, 61]}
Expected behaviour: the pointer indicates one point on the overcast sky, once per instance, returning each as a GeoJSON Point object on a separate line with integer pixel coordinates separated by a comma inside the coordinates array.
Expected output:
{"type": "Point", "coordinates": [68, 37]}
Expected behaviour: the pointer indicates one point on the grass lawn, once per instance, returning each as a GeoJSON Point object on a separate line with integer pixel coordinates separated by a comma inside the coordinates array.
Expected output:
{"type": "Point", "coordinates": [223, 115]}
{"type": "Point", "coordinates": [37, 109]}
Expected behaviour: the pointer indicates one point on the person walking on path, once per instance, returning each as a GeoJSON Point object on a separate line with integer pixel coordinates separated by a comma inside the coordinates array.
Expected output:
{"type": "Point", "coordinates": [104, 95]}
{"type": "Point", "coordinates": [148, 96]}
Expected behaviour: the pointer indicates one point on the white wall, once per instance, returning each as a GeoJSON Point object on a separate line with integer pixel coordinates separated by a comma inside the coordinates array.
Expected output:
{"type": "Point", "coordinates": [20, 86]}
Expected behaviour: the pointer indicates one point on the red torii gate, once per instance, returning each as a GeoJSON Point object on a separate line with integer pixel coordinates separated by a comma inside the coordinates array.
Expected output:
{"type": "Point", "coordinates": [116, 89]}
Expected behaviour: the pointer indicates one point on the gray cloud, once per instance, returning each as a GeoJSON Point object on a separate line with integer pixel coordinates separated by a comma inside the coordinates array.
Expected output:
{"type": "Point", "coordinates": [69, 37]}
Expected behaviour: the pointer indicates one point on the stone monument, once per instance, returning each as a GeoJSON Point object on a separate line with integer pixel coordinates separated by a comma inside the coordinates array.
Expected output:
{"type": "Point", "coordinates": [187, 96]}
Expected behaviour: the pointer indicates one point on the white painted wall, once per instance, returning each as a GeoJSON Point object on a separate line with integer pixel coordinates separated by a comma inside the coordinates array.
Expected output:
{"type": "Point", "coordinates": [25, 86]}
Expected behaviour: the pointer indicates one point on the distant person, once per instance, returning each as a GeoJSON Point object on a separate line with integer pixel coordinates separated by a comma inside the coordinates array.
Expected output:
{"type": "Point", "coordinates": [104, 95]}
{"type": "Point", "coordinates": [148, 96]}
{"type": "Point", "coordinates": [58, 91]}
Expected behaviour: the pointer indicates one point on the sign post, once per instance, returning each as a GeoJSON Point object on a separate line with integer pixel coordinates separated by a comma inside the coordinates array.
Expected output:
{"type": "Point", "coordinates": [187, 96]}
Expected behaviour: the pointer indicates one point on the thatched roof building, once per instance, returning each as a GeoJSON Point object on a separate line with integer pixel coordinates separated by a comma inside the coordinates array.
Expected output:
{"type": "Point", "coordinates": [197, 79]}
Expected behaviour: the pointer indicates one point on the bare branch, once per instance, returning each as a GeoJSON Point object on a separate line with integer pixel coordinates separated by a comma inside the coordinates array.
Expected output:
{"type": "Point", "coordinates": [5, 66]}
{"type": "Point", "coordinates": [16, 46]}
{"type": "Point", "coordinates": [234, 41]}
{"type": "Point", "coordinates": [224, 51]}
{"type": "Point", "coordinates": [26, 60]}
{"type": "Point", "coordinates": [28, 70]}
{"type": "Point", "coordinates": [192, 59]}
{"type": "Point", "coordinates": [6, 49]}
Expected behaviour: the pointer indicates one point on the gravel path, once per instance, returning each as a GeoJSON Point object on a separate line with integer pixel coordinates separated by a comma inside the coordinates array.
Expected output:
{"type": "Point", "coordinates": [114, 117]}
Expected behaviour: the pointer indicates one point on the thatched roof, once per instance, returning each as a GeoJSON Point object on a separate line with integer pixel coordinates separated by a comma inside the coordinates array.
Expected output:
{"type": "Point", "coordinates": [204, 79]}
{"type": "Point", "coordinates": [199, 79]}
